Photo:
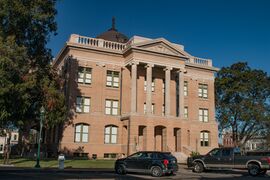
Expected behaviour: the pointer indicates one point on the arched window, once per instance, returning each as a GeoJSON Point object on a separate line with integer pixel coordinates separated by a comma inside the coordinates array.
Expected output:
{"type": "Point", "coordinates": [110, 134]}
{"type": "Point", "coordinates": [205, 136]}
{"type": "Point", "coordinates": [81, 133]}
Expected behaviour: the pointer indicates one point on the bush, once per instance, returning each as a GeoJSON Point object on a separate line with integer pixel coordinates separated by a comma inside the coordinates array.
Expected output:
{"type": "Point", "coordinates": [193, 153]}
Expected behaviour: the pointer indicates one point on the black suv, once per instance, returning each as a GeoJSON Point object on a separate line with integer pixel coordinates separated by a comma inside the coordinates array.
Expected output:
{"type": "Point", "coordinates": [156, 163]}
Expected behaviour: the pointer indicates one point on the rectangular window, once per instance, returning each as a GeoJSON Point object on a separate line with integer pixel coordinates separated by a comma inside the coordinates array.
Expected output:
{"type": "Point", "coordinates": [186, 112]}
{"type": "Point", "coordinates": [152, 107]}
{"type": "Point", "coordinates": [111, 107]}
{"type": "Point", "coordinates": [110, 155]}
{"type": "Point", "coordinates": [185, 88]}
{"type": "Point", "coordinates": [152, 86]}
{"type": "Point", "coordinates": [204, 136]}
{"type": "Point", "coordinates": [82, 104]}
{"type": "Point", "coordinates": [203, 91]}
{"type": "Point", "coordinates": [112, 79]}
{"type": "Point", "coordinates": [203, 115]}
{"type": "Point", "coordinates": [84, 75]}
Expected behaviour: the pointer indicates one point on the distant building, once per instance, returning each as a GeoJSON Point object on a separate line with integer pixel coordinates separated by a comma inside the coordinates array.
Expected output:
{"type": "Point", "coordinates": [13, 141]}
{"type": "Point", "coordinates": [227, 139]}
{"type": "Point", "coordinates": [256, 143]}
{"type": "Point", "coordinates": [135, 94]}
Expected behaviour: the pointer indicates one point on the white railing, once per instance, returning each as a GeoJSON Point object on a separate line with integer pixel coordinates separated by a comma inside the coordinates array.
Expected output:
{"type": "Point", "coordinates": [200, 61]}
{"type": "Point", "coordinates": [94, 42]}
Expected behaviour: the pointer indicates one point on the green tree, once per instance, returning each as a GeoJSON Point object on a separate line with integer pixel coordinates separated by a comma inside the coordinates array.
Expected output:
{"type": "Point", "coordinates": [27, 78]}
{"type": "Point", "coordinates": [242, 101]}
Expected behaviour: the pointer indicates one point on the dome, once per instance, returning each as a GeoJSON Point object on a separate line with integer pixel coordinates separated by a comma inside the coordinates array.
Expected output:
{"type": "Point", "coordinates": [113, 35]}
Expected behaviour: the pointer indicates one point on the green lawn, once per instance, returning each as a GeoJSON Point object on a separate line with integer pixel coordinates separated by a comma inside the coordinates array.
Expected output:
{"type": "Point", "coordinates": [68, 163]}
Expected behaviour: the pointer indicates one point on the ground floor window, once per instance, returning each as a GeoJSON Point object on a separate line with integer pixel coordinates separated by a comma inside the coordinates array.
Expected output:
{"type": "Point", "coordinates": [204, 136]}
{"type": "Point", "coordinates": [110, 135]}
{"type": "Point", "coordinates": [110, 155]}
{"type": "Point", "coordinates": [81, 133]}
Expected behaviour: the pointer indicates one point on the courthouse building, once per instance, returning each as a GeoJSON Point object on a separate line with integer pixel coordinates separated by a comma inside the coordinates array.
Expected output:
{"type": "Point", "coordinates": [131, 94]}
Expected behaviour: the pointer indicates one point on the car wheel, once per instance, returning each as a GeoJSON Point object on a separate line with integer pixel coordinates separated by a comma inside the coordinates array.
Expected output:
{"type": "Point", "coordinates": [198, 167]}
{"type": "Point", "coordinates": [156, 171]}
{"type": "Point", "coordinates": [263, 172]}
{"type": "Point", "coordinates": [253, 169]}
{"type": "Point", "coordinates": [120, 169]}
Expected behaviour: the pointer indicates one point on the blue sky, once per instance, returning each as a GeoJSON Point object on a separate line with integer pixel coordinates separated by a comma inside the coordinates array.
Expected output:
{"type": "Point", "coordinates": [226, 31]}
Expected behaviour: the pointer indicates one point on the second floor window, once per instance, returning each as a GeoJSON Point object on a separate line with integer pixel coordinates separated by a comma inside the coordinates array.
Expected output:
{"type": "Point", "coordinates": [83, 104]}
{"type": "Point", "coordinates": [185, 88]}
{"type": "Point", "coordinates": [203, 91]}
{"type": "Point", "coordinates": [203, 115]}
{"type": "Point", "coordinates": [112, 79]}
{"type": "Point", "coordinates": [84, 75]}
{"type": "Point", "coordinates": [111, 107]}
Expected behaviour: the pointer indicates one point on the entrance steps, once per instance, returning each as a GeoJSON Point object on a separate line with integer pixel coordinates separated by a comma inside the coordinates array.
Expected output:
{"type": "Point", "coordinates": [181, 157]}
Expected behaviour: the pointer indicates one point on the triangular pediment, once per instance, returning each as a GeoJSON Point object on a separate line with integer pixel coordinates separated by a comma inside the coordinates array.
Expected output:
{"type": "Point", "coordinates": [161, 46]}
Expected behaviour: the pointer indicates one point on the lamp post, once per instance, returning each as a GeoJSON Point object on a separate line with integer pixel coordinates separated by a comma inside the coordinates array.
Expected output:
{"type": "Point", "coordinates": [42, 114]}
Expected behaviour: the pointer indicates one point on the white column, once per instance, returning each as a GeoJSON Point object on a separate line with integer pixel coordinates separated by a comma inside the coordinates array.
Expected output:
{"type": "Point", "coordinates": [149, 88]}
{"type": "Point", "coordinates": [134, 87]}
{"type": "Point", "coordinates": [167, 91]}
{"type": "Point", "coordinates": [181, 93]}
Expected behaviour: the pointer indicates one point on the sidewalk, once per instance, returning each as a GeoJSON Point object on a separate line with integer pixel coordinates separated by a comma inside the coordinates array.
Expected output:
{"type": "Point", "coordinates": [6, 168]}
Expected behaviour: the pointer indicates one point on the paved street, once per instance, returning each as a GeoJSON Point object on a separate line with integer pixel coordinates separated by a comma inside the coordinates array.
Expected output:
{"type": "Point", "coordinates": [184, 173]}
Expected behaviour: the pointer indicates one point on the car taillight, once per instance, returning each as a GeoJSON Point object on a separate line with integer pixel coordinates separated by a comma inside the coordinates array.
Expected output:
{"type": "Point", "coordinates": [266, 159]}
{"type": "Point", "coordinates": [165, 162]}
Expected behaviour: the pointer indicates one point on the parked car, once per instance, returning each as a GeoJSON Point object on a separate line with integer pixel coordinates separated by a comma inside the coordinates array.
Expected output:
{"type": "Point", "coordinates": [153, 162]}
{"type": "Point", "coordinates": [230, 158]}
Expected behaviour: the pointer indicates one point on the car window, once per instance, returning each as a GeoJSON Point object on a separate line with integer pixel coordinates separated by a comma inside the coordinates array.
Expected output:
{"type": "Point", "coordinates": [136, 155]}
{"type": "Point", "coordinates": [215, 152]}
{"type": "Point", "coordinates": [226, 152]}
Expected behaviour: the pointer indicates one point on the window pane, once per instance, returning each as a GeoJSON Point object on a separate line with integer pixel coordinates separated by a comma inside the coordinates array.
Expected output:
{"type": "Point", "coordinates": [77, 137]}
{"type": "Point", "coordinates": [200, 112]}
{"type": "Point", "coordinates": [114, 130]}
{"type": "Point", "coordinates": [108, 103]}
{"type": "Point", "coordinates": [88, 76]}
{"type": "Point", "coordinates": [86, 109]}
{"type": "Point", "coordinates": [116, 79]}
{"type": "Point", "coordinates": [109, 78]}
{"type": "Point", "coordinates": [86, 101]}
{"type": "Point", "coordinates": [107, 138]}
{"type": "Point", "coordinates": [107, 130]}
{"type": "Point", "coordinates": [85, 128]}
{"type": "Point", "coordinates": [115, 104]}
{"type": "Point", "coordinates": [109, 83]}
{"type": "Point", "coordinates": [205, 112]}
{"type": "Point", "coordinates": [80, 80]}
{"type": "Point", "coordinates": [201, 135]}
{"type": "Point", "coordinates": [108, 111]}
{"type": "Point", "coordinates": [206, 135]}
{"type": "Point", "coordinates": [116, 84]}
{"type": "Point", "coordinates": [78, 100]}
{"type": "Point", "coordinates": [115, 111]}
{"type": "Point", "coordinates": [84, 137]}
{"type": "Point", "coordinates": [78, 108]}
{"type": "Point", "coordinates": [206, 119]}
{"type": "Point", "coordinates": [114, 139]}
{"type": "Point", "coordinates": [88, 81]}
{"type": "Point", "coordinates": [78, 128]}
